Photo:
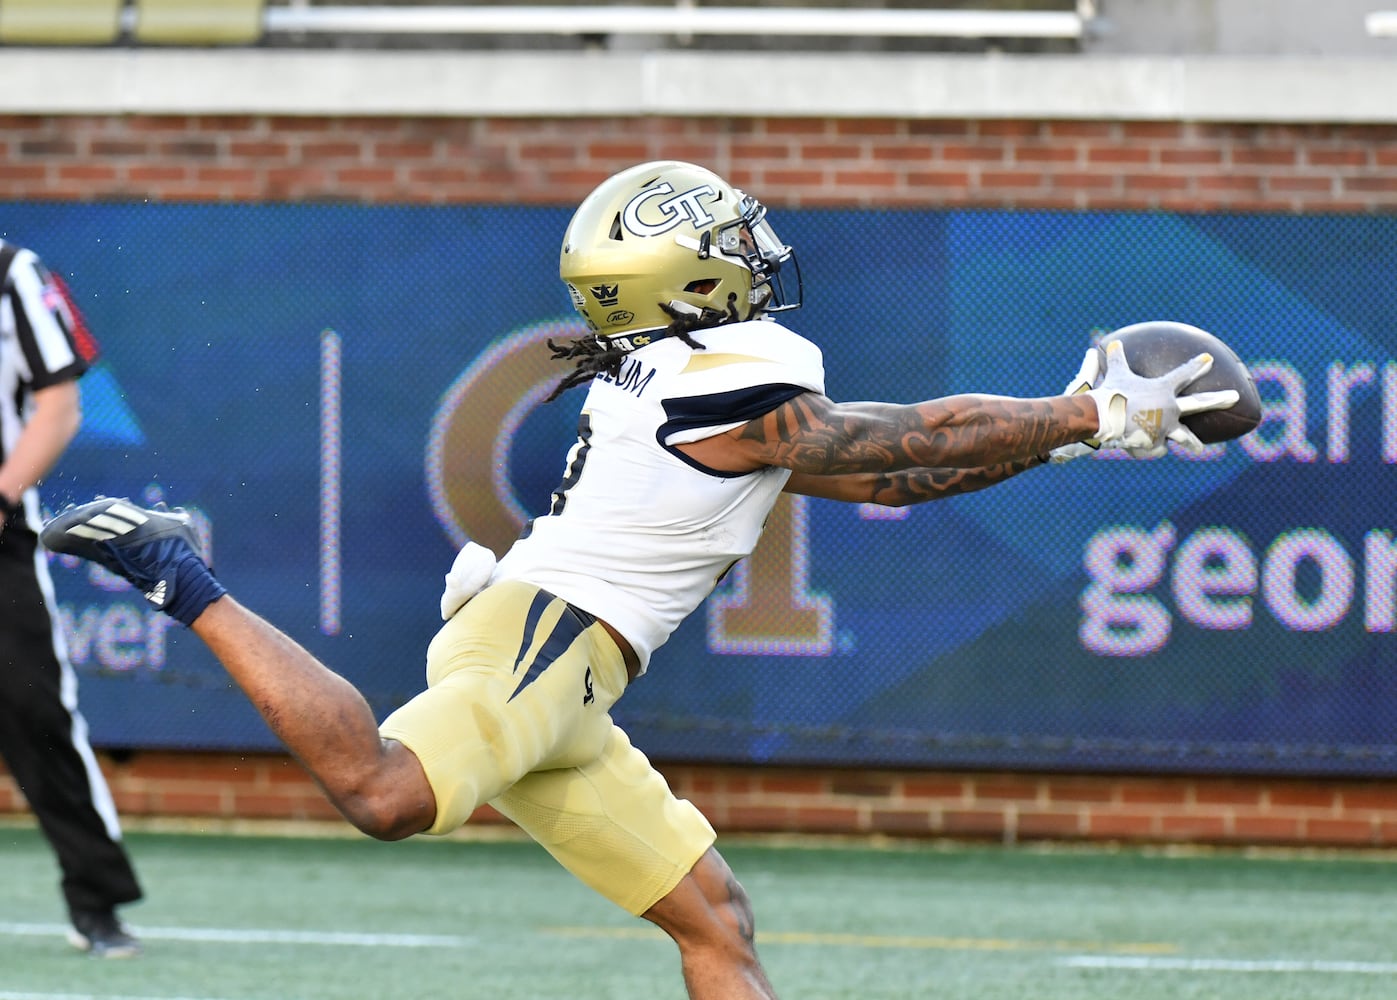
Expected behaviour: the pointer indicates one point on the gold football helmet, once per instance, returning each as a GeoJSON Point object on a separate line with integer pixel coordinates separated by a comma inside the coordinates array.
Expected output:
{"type": "Point", "coordinates": [672, 234]}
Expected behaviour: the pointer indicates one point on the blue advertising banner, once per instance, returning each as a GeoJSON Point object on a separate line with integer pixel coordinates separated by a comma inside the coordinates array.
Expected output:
{"type": "Point", "coordinates": [343, 394]}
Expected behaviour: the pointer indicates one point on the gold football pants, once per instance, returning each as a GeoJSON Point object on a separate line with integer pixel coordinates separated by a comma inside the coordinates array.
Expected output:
{"type": "Point", "coordinates": [519, 687]}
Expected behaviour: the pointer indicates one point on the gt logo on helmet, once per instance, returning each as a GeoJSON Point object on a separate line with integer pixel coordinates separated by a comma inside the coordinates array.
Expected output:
{"type": "Point", "coordinates": [683, 206]}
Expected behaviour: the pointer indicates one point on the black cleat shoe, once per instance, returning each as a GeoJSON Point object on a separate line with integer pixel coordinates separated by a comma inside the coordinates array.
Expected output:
{"type": "Point", "coordinates": [156, 550]}
{"type": "Point", "coordinates": [102, 935]}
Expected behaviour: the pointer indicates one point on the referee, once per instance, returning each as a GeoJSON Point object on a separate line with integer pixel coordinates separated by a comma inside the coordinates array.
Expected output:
{"type": "Point", "coordinates": [44, 349]}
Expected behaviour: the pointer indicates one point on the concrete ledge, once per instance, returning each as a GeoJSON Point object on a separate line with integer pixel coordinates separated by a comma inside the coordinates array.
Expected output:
{"type": "Point", "coordinates": [469, 84]}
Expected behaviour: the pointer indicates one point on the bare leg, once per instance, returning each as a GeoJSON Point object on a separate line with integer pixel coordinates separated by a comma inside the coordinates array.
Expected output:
{"type": "Point", "coordinates": [321, 718]}
{"type": "Point", "coordinates": [709, 917]}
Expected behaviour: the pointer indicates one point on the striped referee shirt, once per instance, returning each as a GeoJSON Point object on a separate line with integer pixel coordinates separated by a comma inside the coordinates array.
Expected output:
{"type": "Point", "coordinates": [42, 339]}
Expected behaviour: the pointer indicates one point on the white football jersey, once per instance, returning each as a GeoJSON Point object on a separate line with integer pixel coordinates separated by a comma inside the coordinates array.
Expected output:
{"type": "Point", "coordinates": [637, 533]}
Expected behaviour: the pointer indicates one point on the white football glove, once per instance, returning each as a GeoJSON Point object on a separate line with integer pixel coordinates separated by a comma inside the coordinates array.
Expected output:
{"type": "Point", "coordinates": [1084, 381]}
{"type": "Point", "coordinates": [1140, 414]}
{"type": "Point", "coordinates": [469, 574]}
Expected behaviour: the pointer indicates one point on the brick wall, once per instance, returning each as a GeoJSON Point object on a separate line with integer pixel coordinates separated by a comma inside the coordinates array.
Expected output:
{"type": "Point", "coordinates": [990, 806]}
{"type": "Point", "coordinates": [804, 162]}
{"type": "Point", "coordinates": [1002, 164]}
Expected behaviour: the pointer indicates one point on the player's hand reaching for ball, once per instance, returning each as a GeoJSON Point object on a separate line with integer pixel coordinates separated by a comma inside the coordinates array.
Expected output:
{"type": "Point", "coordinates": [1140, 414]}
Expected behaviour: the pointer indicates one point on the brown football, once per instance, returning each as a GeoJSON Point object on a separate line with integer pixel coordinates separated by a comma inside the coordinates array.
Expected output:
{"type": "Point", "coordinates": [1158, 347]}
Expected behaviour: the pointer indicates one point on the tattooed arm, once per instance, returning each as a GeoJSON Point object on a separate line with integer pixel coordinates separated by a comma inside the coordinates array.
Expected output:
{"type": "Point", "coordinates": [965, 435]}
{"type": "Point", "coordinates": [907, 487]}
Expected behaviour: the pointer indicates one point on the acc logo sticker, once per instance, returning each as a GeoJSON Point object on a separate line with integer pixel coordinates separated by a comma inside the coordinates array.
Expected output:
{"type": "Point", "coordinates": [620, 316]}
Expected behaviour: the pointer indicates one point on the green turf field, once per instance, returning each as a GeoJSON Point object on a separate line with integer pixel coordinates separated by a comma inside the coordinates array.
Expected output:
{"type": "Point", "coordinates": [263, 918]}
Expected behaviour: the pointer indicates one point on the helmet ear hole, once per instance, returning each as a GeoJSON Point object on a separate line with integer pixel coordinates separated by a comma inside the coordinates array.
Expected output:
{"type": "Point", "coordinates": [702, 286]}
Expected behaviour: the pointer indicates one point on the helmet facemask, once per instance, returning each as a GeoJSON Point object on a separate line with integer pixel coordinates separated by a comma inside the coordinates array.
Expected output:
{"type": "Point", "coordinates": [753, 240]}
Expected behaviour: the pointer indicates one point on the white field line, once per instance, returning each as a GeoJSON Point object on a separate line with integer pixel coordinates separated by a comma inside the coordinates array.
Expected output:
{"type": "Point", "coordinates": [1144, 963]}
{"type": "Point", "coordinates": [1141, 963]}
{"type": "Point", "coordinates": [6, 995]}
{"type": "Point", "coordinates": [255, 935]}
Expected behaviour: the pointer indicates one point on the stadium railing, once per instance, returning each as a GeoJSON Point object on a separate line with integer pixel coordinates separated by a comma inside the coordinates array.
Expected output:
{"type": "Point", "coordinates": [241, 22]}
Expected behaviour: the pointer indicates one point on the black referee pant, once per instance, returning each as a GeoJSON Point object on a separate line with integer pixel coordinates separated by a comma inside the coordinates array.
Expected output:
{"type": "Point", "coordinates": [43, 737]}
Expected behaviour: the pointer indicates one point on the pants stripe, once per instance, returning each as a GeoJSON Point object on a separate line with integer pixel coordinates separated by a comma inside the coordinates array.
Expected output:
{"type": "Point", "coordinates": [540, 604]}
{"type": "Point", "coordinates": [564, 634]}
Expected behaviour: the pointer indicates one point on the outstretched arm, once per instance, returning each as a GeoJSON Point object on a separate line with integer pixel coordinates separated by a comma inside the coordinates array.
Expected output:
{"type": "Point", "coordinates": [814, 435]}
{"type": "Point", "coordinates": [910, 486]}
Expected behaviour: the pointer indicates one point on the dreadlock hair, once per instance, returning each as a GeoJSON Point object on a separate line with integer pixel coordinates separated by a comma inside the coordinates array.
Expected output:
{"type": "Point", "coordinates": [595, 356]}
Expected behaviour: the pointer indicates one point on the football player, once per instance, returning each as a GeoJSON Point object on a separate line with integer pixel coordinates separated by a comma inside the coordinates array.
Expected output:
{"type": "Point", "coordinates": [701, 409]}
